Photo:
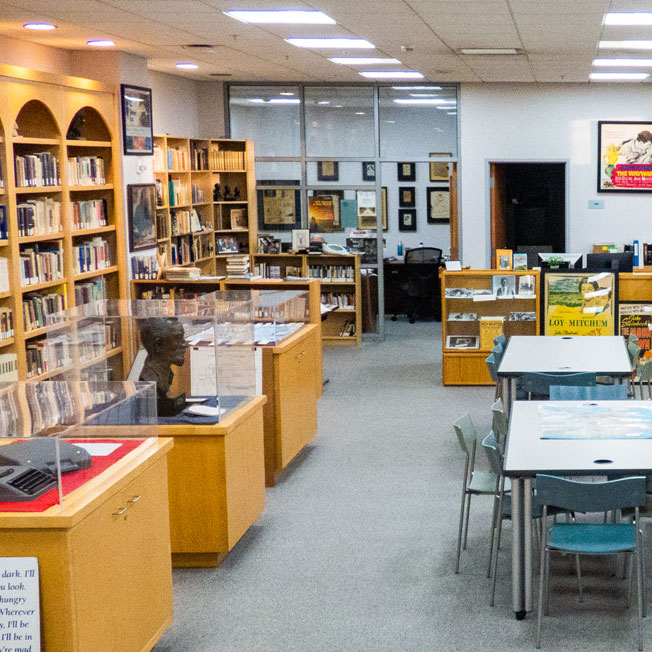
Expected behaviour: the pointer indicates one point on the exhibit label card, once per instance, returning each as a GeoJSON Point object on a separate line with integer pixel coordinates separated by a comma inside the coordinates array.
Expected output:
{"type": "Point", "coordinates": [20, 618]}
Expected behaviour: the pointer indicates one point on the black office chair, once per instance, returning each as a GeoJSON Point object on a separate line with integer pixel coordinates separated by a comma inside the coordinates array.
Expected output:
{"type": "Point", "coordinates": [420, 286]}
{"type": "Point", "coordinates": [423, 255]}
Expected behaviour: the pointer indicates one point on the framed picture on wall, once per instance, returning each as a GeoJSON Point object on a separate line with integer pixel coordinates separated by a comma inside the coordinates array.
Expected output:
{"type": "Point", "coordinates": [279, 209]}
{"type": "Point", "coordinates": [407, 219]}
{"type": "Point", "coordinates": [328, 171]}
{"type": "Point", "coordinates": [406, 171]}
{"type": "Point", "coordinates": [141, 200]}
{"type": "Point", "coordinates": [368, 171]}
{"type": "Point", "coordinates": [406, 197]}
{"type": "Point", "coordinates": [137, 123]}
{"type": "Point", "coordinates": [438, 171]}
{"type": "Point", "coordinates": [439, 205]}
{"type": "Point", "coordinates": [624, 156]}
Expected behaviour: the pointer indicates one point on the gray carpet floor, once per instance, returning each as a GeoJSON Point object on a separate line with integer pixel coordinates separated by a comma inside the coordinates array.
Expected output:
{"type": "Point", "coordinates": [355, 550]}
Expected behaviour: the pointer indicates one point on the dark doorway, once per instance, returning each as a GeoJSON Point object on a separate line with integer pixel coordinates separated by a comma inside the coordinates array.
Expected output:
{"type": "Point", "coordinates": [528, 206]}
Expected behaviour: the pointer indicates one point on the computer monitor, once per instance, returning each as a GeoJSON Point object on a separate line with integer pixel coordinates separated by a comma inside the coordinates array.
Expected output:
{"type": "Point", "coordinates": [571, 261]}
{"type": "Point", "coordinates": [532, 252]}
{"type": "Point", "coordinates": [613, 262]}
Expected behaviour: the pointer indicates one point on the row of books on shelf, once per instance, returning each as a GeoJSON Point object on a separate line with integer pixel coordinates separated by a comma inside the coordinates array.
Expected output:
{"type": "Point", "coordinates": [91, 255]}
{"type": "Point", "coordinates": [4, 275]}
{"type": "Point", "coordinates": [38, 307]}
{"type": "Point", "coordinates": [178, 158]}
{"type": "Point", "coordinates": [39, 217]}
{"type": "Point", "coordinates": [339, 299]}
{"type": "Point", "coordinates": [47, 355]}
{"type": "Point", "coordinates": [265, 270]}
{"type": "Point", "coordinates": [6, 323]}
{"type": "Point", "coordinates": [180, 251]}
{"type": "Point", "coordinates": [144, 266]}
{"type": "Point", "coordinates": [197, 194]}
{"type": "Point", "coordinates": [37, 170]}
{"type": "Point", "coordinates": [166, 293]}
{"type": "Point", "coordinates": [89, 291]}
{"type": "Point", "coordinates": [177, 192]}
{"type": "Point", "coordinates": [8, 367]}
{"type": "Point", "coordinates": [90, 214]}
{"type": "Point", "coordinates": [158, 158]}
{"type": "Point", "coordinates": [86, 171]}
{"type": "Point", "coordinates": [162, 231]}
{"type": "Point", "coordinates": [184, 221]}
{"type": "Point", "coordinates": [348, 328]}
{"type": "Point", "coordinates": [225, 160]}
{"type": "Point", "coordinates": [198, 157]}
{"type": "Point", "coordinates": [344, 273]}
{"type": "Point", "coordinates": [39, 264]}
{"type": "Point", "coordinates": [3, 222]}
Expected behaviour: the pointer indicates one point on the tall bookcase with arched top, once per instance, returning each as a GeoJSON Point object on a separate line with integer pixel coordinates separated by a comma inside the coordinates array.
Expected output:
{"type": "Point", "coordinates": [61, 198]}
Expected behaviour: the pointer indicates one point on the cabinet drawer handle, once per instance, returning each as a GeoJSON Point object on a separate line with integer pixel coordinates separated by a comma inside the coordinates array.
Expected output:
{"type": "Point", "coordinates": [300, 354]}
{"type": "Point", "coordinates": [120, 511]}
{"type": "Point", "coordinates": [134, 499]}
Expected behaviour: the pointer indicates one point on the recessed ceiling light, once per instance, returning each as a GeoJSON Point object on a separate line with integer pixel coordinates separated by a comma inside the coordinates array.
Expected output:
{"type": "Point", "coordinates": [100, 43]}
{"type": "Point", "coordinates": [286, 93]}
{"type": "Point", "coordinates": [186, 65]}
{"type": "Point", "coordinates": [323, 102]}
{"type": "Point", "coordinates": [452, 113]}
{"type": "Point", "coordinates": [338, 106]}
{"type": "Point", "coordinates": [391, 122]}
{"type": "Point", "coordinates": [43, 27]}
{"type": "Point", "coordinates": [391, 74]}
{"type": "Point", "coordinates": [359, 112]}
{"type": "Point", "coordinates": [416, 88]}
{"type": "Point", "coordinates": [625, 63]}
{"type": "Point", "coordinates": [281, 16]}
{"type": "Point", "coordinates": [641, 44]}
{"type": "Point", "coordinates": [423, 101]}
{"type": "Point", "coordinates": [363, 61]}
{"type": "Point", "coordinates": [503, 51]}
{"type": "Point", "coordinates": [628, 18]}
{"type": "Point", "coordinates": [618, 76]}
{"type": "Point", "coordinates": [336, 42]}
{"type": "Point", "coordinates": [276, 100]}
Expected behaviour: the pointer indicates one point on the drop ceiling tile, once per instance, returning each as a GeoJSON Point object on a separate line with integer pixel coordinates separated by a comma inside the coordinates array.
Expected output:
{"type": "Point", "coordinates": [555, 7]}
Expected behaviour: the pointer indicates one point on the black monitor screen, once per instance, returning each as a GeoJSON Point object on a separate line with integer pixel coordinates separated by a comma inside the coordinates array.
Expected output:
{"type": "Point", "coordinates": [616, 262]}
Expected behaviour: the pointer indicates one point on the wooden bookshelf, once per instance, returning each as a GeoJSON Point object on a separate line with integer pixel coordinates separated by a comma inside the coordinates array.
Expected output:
{"type": "Point", "coordinates": [195, 166]}
{"type": "Point", "coordinates": [75, 122]}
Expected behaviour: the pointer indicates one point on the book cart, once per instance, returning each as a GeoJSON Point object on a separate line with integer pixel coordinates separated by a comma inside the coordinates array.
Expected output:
{"type": "Point", "coordinates": [474, 311]}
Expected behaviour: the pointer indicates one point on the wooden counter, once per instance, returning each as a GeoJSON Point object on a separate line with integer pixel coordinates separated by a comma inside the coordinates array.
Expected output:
{"type": "Point", "coordinates": [105, 577]}
{"type": "Point", "coordinates": [216, 483]}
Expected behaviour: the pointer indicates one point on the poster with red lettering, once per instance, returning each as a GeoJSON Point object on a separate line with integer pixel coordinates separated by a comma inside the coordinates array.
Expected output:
{"type": "Point", "coordinates": [636, 319]}
{"type": "Point", "coordinates": [624, 156]}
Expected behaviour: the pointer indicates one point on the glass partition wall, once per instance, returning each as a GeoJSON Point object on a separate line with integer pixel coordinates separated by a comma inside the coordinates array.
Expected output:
{"type": "Point", "coordinates": [349, 162]}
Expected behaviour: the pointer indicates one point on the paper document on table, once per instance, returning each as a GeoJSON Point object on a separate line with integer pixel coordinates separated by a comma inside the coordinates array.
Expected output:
{"type": "Point", "coordinates": [593, 421]}
{"type": "Point", "coordinates": [99, 450]}
{"type": "Point", "coordinates": [205, 410]}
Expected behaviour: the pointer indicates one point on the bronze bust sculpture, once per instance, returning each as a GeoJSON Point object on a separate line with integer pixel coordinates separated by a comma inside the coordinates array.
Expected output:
{"type": "Point", "coordinates": [164, 341]}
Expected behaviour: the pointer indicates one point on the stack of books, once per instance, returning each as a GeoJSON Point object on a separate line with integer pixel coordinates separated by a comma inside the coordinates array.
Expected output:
{"type": "Point", "coordinates": [237, 266]}
{"type": "Point", "coordinates": [182, 273]}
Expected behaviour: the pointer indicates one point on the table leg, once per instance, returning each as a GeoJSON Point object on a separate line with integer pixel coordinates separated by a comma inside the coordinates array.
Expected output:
{"type": "Point", "coordinates": [518, 544]}
{"type": "Point", "coordinates": [527, 547]}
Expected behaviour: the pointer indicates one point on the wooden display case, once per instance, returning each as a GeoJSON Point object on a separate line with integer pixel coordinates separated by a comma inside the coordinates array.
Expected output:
{"type": "Point", "coordinates": [462, 321]}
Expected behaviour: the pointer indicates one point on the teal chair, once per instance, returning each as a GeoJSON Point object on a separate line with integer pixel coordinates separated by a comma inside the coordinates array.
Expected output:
{"type": "Point", "coordinates": [500, 339]}
{"type": "Point", "coordinates": [590, 393]}
{"type": "Point", "coordinates": [500, 422]}
{"type": "Point", "coordinates": [492, 367]}
{"type": "Point", "coordinates": [474, 483]}
{"type": "Point", "coordinates": [641, 383]}
{"type": "Point", "coordinates": [634, 351]}
{"type": "Point", "coordinates": [590, 538]}
{"type": "Point", "coordinates": [537, 385]}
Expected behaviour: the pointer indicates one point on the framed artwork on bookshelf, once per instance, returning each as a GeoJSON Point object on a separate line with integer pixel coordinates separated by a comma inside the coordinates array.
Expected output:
{"type": "Point", "coordinates": [406, 171]}
{"type": "Point", "coordinates": [141, 200]}
{"type": "Point", "coordinates": [368, 171]}
{"type": "Point", "coordinates": [328, 171]}
{"type": "Point", "coordinates": [406, 197]}
{"type": "Point", "coordinates": [439, 206]}
{"type": "Point", "coordinates": [407, 219]}
{"type": "Point", "coordinates": [279, 209]}
{"type": "Point", "coordinates": [300, 239]}
{"type": "Point", "coordinates": [137, 135]}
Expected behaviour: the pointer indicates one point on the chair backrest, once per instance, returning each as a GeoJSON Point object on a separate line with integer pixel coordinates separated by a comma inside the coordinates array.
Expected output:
{"type": "Point", "coordinates": [632, 339]}
{"type": "Point", "coordinates": [644, 371]}
{"type": "Point", "coordinates": [423, 255]}
{"type": "Point", "coordinates": [494, 454]}
{"type": "Point", "coordinates": [500, 420]}
{"type": "Point", "coordinates": [492, 366]}
{"type": "Point", "coordinates": [591, 496]}
{"type": "Point", "coordinates": [498, 352]}
{"type": "Point", "coordinates": [634, 351]}
{"type": "Point", "coordinates": [500, 339]}
{"type": "Point", "coordinates": [466, 433]}
{"type": "Point", "coordinates": [590, 393]}
{"type": "Point", "coordinates": [539, 383]}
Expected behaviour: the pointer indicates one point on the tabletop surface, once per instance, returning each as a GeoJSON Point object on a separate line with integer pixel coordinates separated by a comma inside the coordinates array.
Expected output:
{"type": "Point", "coordinates": [560, 354]}
{"type": "Point", "coordinates": [528, 454]}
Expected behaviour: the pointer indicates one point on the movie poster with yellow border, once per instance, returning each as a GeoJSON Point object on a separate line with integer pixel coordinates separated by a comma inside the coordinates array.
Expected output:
{"type": "Point", "coordinates": [624, 156]}
{"type": "Point", "coordinates": [579, 303]}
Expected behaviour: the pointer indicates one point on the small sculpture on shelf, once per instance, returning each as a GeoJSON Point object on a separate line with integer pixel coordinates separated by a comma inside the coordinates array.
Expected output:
{"type": "Point", "coordinates": [216, 192]}
{"type": "Point", "coordinates": [236, 194]}
{"type": "Point", "coordinates": [227, 194]}
{"type": "Point", "coordinates": [164, 340]}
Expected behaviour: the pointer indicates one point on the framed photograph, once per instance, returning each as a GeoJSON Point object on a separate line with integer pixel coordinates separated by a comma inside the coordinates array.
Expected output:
{"type": "Point", "coordinates": [368, 170]}
{"type": "Point", "coordinates": [226, 245]}
{"type": "Point", "coordinates": [636, 319]}
{"type": "Point", "coordinates": [527, 285]}
{"type": "Point", "coordinates": [141, 200]}
{"type": "Point", "coordinates": [268, 244]}
{"type": "Point", "coordinates": [462, 342]}
{"type": "Point", "coordinates": [504, 287]}
{"type": "Point", "coordinates": [238, 218]}
{"type": "Point", "coordinates": [366, 206]}
{"type": "Point", "coordinates": [407, 197]}
{"type": "Point", "coordinates": [407, 219]}
{"type": "Point", "coordinates": [503, 259]}
{"type": "Point", "coordinates": [300, 239]}
{"type": "Point", "coordinates": [406, 171]}
{"type": "Point", "coordinates": [579, 302]}
{"type": "Point", "coordinates": [328, 171]}
{"type": "Point", "coordinates": [624, 156]}
{"type": "Point", "coordinates": [279, 209]}
{"type": "Point", "coordinates": [137, 134]}
{"type": "Point", "coordinates": [520, 262]}
{"type": "Point", "coordinates": [439, 205]}
{"type": "Point", "coordinates": [438, 171]}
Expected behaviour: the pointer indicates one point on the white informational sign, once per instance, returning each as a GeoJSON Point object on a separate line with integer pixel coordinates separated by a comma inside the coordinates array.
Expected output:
{"type": "Point", "coordinates": [240, 371]}
{"type": "Point", "coordinates": [20, 618]}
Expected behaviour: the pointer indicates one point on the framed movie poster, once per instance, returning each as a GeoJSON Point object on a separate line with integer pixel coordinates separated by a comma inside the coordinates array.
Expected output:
{"type": "Point", "coordinates": [328, 171]}
{"type": "Point", "coordinates": [439, 205]}
{"type": "Point", "coordinates": [137, 138]}
{"type": "Point", "coordinates": [368, 170]}
{"type": "Point", "coordinates": [407, 197]}
{"type": "Point", "coordinates": [142, 216]}
{"type": "Point", "coordinates": [636, 319]}
{"type": "Point", "coordinates": [579, 303]}
{"type": "Point", "coordinates": [407, 219]}
{"type": "Point", "coordinates": [406, 171]}
{"type": "Point", "coordinates": [624, 156]}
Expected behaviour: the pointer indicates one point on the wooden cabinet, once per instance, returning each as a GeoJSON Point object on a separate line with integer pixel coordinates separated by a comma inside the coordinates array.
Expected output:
{"type": "Point", "coordinates": [292, 384]}
{"type": "Point", "coordinates": [105, 574]}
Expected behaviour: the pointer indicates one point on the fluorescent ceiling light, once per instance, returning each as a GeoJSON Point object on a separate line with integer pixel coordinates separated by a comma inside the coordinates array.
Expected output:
{"type": "Point", "coordinates": [186, 65]}
{"type": "Point", "coordinates": [628, 18]}
{"type": "Point", "coordinates": [488, 51]}
{"type": "Point", "coordinates": [286, 93]}
{"type": "Point", "coordinates": [416, 88]}
{"type": "Point", "coordinates": [276, 100]}
{"type": "Point", "coordinates": [323, 102]}
{"type": "Point", "coordinates": [43, 27]}
{"type": "Point", "coordinates": [640, 44]}
{"type": "Point", "coordinates": [335, 42]}
{"type": "Point", "coordinates": [424, 101]}
{"type": "Point", "coordinates": [281, 16]}
{"type": "Point", "coordinates": [100, 43]}
{"type": "Point", "coordinates": [452, 113]}
{"type": "Point", "coordinates": [359, 112]}
{"type": "Point", "coordinates": [424, 95]}
{"type": "Point", "coordinates": [625, 63]}
{"type": "Point", "coordinates": [391, 74]}
{"type": "Point", "coordinates": [363, 61]}
{"type": "Point", "coordinates": [618, 76]}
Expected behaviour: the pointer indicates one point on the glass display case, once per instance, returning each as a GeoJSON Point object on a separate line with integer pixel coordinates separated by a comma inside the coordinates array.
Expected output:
{"type": "Point", "coordinates": [57, 436]}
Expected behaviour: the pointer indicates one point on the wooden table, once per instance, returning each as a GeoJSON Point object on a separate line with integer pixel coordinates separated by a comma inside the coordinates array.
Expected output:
{"type": "Point", "coordinates": [216, 484]}
{"type": "Point", "coordinates": [105, 576]}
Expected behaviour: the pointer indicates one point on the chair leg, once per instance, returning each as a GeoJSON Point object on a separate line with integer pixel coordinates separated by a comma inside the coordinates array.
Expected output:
{"type": "Point", "coordinates": [466, 525]}
{"type": "Point", "coordinates": [579, 576]}
{"type": "Point", "coordinates": [642, 554]}
{"type": "Point", "coordinates": [547, 573]}
{"type": "Point", "coordinates": [630, 576]}
{"type": "Point", "coordinates": [497, 547]}
{"type": "Point", "coordinates": [639, 586]}
{"type": "Point", "coordinates": [459, 529]}
{"type": "Point", "coordinates": [542, 580]}
{"type": "Point", "coordinates": [493, 535]}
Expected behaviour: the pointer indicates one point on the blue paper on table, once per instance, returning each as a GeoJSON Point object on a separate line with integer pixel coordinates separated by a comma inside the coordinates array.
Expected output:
{"type": "Point", "coordinates": [593, 421]}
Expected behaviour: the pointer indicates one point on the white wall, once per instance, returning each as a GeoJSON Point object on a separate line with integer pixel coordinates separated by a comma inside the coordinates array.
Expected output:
{"type": "Point", "coordinates": [174, 104]}
{"type": "Point", "coordinates": [34, 56]}
{"type": "Point", "coordinates": [533, 122]}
